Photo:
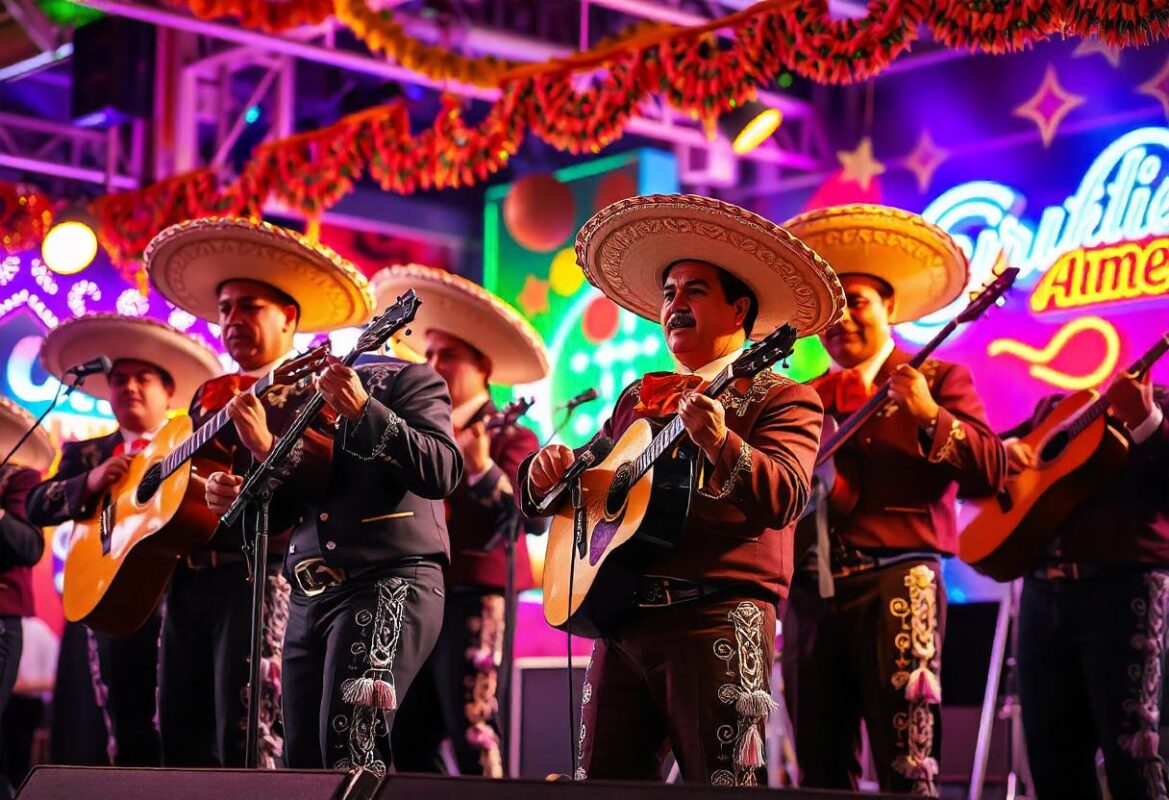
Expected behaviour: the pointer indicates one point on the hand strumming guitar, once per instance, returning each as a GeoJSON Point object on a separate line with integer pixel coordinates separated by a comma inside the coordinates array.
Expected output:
{"type": "Point", "coordinates": [110, 472]}
{"type": "Point", "coordinates": [705, 421]}
{"type": "Point", "coordinates": [1020, 456]}
{"type": "Point", "coordinates": [475, 445]}
{"type": "Point", "coordinates": [1131, 398]}
{"type": "Point", "coordinates": [547, 468]}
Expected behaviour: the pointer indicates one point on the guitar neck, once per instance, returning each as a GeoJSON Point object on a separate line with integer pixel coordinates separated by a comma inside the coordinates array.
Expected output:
{"type": "Point", "coordinates": [207, 431]}
{"type": "Point", "coordinates": [880, 399]}
{"type": "Point", "coordinates": [1138, 368]}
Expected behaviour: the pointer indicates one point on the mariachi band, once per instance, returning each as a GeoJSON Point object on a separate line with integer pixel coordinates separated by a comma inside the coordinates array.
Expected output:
{"type": "Point", "coordinates": [703, 518]}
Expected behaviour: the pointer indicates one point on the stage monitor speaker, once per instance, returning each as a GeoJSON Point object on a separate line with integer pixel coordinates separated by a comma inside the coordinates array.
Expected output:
{"type": "Point", "coordinates": [540, 736]}
{"type": "Point", "coordinates": [419, 787]}
{"type": "Point", "coordinates": [113, 72]}
{"type": "Point", "coordinates": [115, 783]}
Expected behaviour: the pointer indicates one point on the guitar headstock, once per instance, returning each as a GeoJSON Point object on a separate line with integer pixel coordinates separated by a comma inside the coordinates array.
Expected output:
{"type": "Point", "coordinates": [387, 323]}
{"type": "Point", "coordinates": [510, 413]}
{"type": "Point", "coordinates": [1004, 276]}
{"type": "Point", "coordinates": [776, 346]}
{"type": "Point", "coordinates": [304, 366]}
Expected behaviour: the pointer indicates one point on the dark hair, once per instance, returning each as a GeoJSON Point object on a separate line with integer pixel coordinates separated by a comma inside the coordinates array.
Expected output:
{"type": "Point", "coordinates": [281, 297]}
{"type": "Point", "coordinates": [734, 289]}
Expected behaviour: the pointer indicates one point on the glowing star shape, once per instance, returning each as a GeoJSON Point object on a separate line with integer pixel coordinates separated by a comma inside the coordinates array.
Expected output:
{"type": "Point", "coordinates": [1093, 46]}
{"type": "Point", "coordinates": [924, 159]}
{"type": "Point", "coordinates": [534, 297]}
{"type": "Point", "coordinates": [1049, 105]}
{"type": "Point", "coordinates": [1158, 87]}
{"type": "Point", "coordinates": [859, 165]}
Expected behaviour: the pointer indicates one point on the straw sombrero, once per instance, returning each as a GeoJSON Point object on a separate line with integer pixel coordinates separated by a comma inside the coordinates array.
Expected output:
{"type": "Point", "coordinates": [457, 306]}
{"type": "Point", "coordinates": [626, 247]}
{"type": "Point", "coordinates": [37, 451]}
{"type": "Point", "coordinates": [119, 337]}
{"type": "Point", "coordinates": [922, 263]}
{"type": "Point", "coordinates": [189, 261]}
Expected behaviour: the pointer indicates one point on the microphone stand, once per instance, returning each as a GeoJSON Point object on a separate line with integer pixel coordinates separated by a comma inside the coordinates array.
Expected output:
{"type": "Point", "coordinates": [78, 380]}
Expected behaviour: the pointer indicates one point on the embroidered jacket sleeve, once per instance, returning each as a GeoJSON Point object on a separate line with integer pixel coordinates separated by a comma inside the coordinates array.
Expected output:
{"type": "Point", "coordinates": [21, 543]}
{"type": "Point", "coordinates": [963, 443]}
{"type": "Point", "coordinates": [406, 428]}
{"type": "Point", "coordinates": [767, 474]}
{"type": "Point", "coordinates": [64, 496]}
{"type": "Point", "coordinates": [1154, 447]}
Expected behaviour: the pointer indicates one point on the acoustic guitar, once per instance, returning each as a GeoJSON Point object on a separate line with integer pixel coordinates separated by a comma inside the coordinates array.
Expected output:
{"type": "Point", "coordinates": [1077, 455]}
{"type": "Point", "coordinates": [630, 507]}
{"type": "Point", "coordinates": [119, 560]}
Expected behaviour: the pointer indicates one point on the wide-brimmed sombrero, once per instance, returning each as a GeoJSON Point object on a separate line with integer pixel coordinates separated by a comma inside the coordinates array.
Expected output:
{"type": "Point", "coordinates": [118, 337]}
{"type": "Point", "coordinates": [626, 247]}
{"type": "Point", "coordinates": [189, 261]}
{"type": "Point", "coordinates": [457, 306]}
{"type": "Point", "coordinates": [922, 262]}
{"type": "Point", "coordinates": [37, 451]}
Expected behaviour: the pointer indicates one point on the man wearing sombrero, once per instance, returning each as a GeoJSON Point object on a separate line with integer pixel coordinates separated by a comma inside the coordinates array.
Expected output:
{"type": "Point", "coordinates": [21, 543]}
{"type": "Point", "coordinates": [873, 649]}
{"type": "Point", "coordinates": [153, 364]}
{"type": "Point", "coordinates": [368, 542]}
{"type": "Point", "coordinates": [691, 664]}
{"type": "Point", "coordinates": [469, 337]}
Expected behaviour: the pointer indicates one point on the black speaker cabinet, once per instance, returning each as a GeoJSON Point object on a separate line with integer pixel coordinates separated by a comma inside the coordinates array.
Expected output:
{"type": "Point", "coordinates": [113, 72]}
{"type": "Point", "coordinates": [113, 783]}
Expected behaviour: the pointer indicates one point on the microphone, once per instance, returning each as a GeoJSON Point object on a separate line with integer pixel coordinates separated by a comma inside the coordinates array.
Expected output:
{"type": "Point", "coordinates": [100, 364]}
{"type": "Point", "coordinates": [580, 399]}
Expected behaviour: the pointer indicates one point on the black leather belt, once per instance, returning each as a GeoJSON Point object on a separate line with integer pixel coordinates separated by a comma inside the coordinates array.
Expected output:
{"type": "Point", "coordinates": [657, 591]}
{"type": "Point", "coordinates": [313, 576]}
{"type": "Point", "coordinates": [850, 561]}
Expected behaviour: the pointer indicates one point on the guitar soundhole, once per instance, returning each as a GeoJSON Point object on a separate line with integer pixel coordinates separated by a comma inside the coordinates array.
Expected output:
{"type": "Point", "coordinates": [1055, 445]}
{"type": "Point", "coordinates": [149, 484]}
{"type": "Point", "coordinates": [618, 491]}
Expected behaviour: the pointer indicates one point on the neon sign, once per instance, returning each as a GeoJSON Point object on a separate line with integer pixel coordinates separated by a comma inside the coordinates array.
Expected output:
{"type": "Point", "coordinates": [1100, 245]}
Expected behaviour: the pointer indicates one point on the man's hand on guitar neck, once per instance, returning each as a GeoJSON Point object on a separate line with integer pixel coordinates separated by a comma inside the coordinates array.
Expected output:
{"type": "Point", "coordinates": [1131, 399]}
{"type": "Point", "coordinates": [251, 422]}
{"type": "Point", "coordinates": [547, 468]}
{"type": "Point", "coordinates": [110, 472]}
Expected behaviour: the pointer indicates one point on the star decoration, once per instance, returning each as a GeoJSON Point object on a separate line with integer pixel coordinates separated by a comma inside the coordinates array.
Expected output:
{"type": "Point", "coordinates": [1094, 46]}
{"type": "Point", "coordinates": [534, 297]}
{"type": "Point", "coordinates": [1049, 105]}
{"type": "Point", "coordinates": [1158, 87]}
{"type": "Point", "coordinates": [926, 156]}
{"type": "Point", "coordinates": [859, 165]}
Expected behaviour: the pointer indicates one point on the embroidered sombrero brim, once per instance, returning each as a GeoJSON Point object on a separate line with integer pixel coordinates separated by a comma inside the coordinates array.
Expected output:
{"type": "Point", "coordinates": [119, 337]}
{"type": "Point", "coordinates": [189, 261]}
{"type": "Point", "coordinates": [922, 263]}
{"type": "Point", "coordinates": [37, 451]}
{"type": "Point", "coordinates": [626, 247]}
{"type": "Point", "coordinates": [455, 305]}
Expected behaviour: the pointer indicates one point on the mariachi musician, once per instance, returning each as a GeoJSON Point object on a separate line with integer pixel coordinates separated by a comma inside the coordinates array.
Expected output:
{"type": "Point", "coordinates": [470, 336]}
{"type": "Point", "coordinates": [21, 542]}
{"type": "Point", "coordinates": [865, 621]}
{"type": "Point", "coordinates": [691, 663]}
{"type": "Point", "coordinates": [152, 365]}
{"type": "Point", "coordinates": [361, 488]}
{"type": "Point", "coordinates": [1092, 615]}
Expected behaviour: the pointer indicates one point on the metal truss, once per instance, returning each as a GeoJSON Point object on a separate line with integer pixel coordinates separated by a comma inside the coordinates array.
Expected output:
{"type": "Point", "coordinates": [34, 145]}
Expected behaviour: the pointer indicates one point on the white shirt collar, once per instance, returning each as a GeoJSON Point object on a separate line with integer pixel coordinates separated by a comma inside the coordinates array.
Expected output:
{"type": "Point", "coordinates": [260, 372]}
{"type": "Point", "coordinates": [129, 436]}
{"type": "Point", "coordinates": [709, 371]}
{"type": "Point", "coordinates": [464, 411]}
{"type": "Point", "coordinates": [871, 365]}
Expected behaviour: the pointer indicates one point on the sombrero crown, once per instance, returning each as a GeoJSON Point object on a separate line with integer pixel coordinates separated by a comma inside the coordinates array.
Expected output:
{"type": "Point", "coordinates": [188, 263]}
{"type": "Point", "coordinates": [626, 248]}
{"type": "Point", "coordinates": [455, 305]}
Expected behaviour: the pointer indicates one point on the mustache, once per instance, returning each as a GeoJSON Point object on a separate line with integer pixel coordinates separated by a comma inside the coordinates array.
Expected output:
{"type": "Point", "coordinates": [680, 319]}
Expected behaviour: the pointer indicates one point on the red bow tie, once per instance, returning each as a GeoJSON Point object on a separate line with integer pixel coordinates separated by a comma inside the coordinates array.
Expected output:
{"type": "Point", "coordinates": [846, 390]}
{"type": "Point", "coordinates": [660, 394]}
{"type": "Point", "coordinates": [217, 391]}
{"type": "Point", "coordinates": [133, 447]}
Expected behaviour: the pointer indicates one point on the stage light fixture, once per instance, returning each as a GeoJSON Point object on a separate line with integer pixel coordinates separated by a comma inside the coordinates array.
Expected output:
{"type": "Point", "coordinates": [749, 125]}
{"type": "Point", "coordinates": [71, 244]}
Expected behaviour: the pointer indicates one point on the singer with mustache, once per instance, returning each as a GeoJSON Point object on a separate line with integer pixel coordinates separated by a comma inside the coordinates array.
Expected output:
{"type": "Point", "coordinates": [690, 665]}
{"type": "Point", "coordinates": [151, 364]}
{"type": "Point", "coordinates": [471, 337]}
{"type": "Point", "coordinates": [865, 620]}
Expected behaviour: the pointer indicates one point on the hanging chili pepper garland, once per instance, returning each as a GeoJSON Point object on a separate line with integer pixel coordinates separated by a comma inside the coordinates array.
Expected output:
{"type": "Point", "coordinates": [584, 103]}
{"type": "Point", "coordinates": [25, 217]}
